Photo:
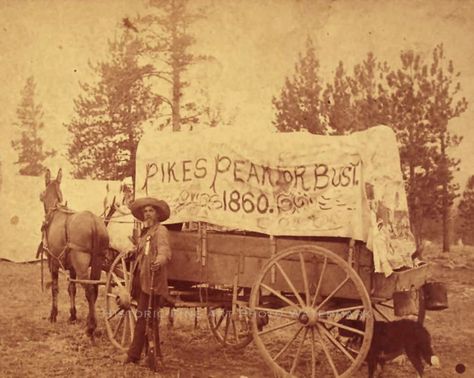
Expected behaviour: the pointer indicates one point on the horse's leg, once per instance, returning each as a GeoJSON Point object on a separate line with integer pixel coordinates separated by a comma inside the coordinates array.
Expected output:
{"type": "Point", "coordinates": [54, 269]}
{"type": "Point", "coordinates": [96, 269]}
{"type": "Point", "coordinates": [72, 295]}
{"type": "Point", "coordinates": [81, 261]}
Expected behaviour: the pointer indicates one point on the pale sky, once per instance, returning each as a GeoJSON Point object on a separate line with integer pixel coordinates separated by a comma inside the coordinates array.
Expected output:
{"type": "Point", "coordinates": [254, 43]}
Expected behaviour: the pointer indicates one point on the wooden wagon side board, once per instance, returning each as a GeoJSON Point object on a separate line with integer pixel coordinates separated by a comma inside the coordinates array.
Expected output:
{"type": "Point", "coordinates": [228, 255]}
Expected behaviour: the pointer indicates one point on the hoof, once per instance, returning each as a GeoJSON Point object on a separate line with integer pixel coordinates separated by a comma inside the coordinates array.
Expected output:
{"type": "Point", "coordinates": [72, 318]}
{"type": "Point", "coordinates": [130, 360]}
{"type": "Point", "coordinates": [53, 316]}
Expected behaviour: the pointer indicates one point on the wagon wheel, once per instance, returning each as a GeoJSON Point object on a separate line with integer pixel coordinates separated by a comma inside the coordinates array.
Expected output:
{"type": "Point", "coordinates": [232, 330]}
{"type": "Point", "coordinates": [384, 310]}
{"type": "Point", "coordinates": [299, 292]}
{"type": "Point", "coordinates": [121, 308]}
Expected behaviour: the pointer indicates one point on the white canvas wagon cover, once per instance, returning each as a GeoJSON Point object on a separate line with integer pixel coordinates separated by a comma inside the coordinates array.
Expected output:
{"type": "Point", "coordinates": [296, 184]}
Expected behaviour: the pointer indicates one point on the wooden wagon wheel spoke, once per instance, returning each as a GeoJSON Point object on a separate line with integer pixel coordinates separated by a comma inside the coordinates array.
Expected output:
{"type": "Point", "coordinates": [132, 323]}
{"type": "Point", "coordinates": [119, 324]}
{"type": "Point", "coordinates": [227, 318]}
{"type": "Point", "coordinates": [235, 331]}
{"type": "Point", "coordinates": [277, 294]}
{"type": "Point", "coordinates": [276, 312]}
{"type": "Point", "coordinates": [305, 279]}
{"type": "Point", "coordinates": [385, 305]}
{"type": "Point", "coordinates": [114, 314]}
{"type": "Point", "coordinates": [339, 325]}
{"type": "Point", "coordinates": [124, 333]}
{"type": "Point", "coordinates": [332, 294]}
{"type": "Point", "coordinates": [221, 318]}
{"type": "Point", "coordinates": [117, 279]}
{"type": "Point", "coordinates": [343, 310]}
{"type": "Point", "coordinates": [323, 270]}
{"type": "Point", "coordinates": [125, 274]}
{"type": "Point", "coordinates": [382, 314]}
{"type": "Point", "coordinates": [278, 327]}
{"type": "Point", "coordinates": [287, 345]}
{"type": "Point", "coordinates": [298, 352]}
{"type": "Point", "coordinates": [336, 343]}
{"type": "Point", "coordinates": [134, 314]}
{"type": "Point", "coordinates": [326, 352]}
{"type": "Point", "coordinates": [290, 284]}
{"type": "Point", "coordinates": [313, 355]}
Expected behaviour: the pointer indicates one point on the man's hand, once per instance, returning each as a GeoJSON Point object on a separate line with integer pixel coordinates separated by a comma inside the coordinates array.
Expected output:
{"type": "Point", "coordinates": [155, 266]}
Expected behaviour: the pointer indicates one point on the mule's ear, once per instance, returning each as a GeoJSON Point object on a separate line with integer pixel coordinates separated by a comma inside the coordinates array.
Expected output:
{"type": "Point", "coordinates": [59, 176]}
{"type": "Point", "coordinates": [47, 177]}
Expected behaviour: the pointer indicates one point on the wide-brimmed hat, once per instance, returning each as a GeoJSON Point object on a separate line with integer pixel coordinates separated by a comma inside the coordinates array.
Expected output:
{"type": "Point", "coordinates": [161, 207]}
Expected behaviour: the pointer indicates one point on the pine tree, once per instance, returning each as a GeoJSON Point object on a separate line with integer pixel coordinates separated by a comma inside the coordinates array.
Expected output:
{"type": "Point", "coordinates": [338, 103]}
{"type": "Point", "coordinates": [370, 98]}
{"type": "Point", "coordinates": [443, 106]}
{"type": "Point", "coordinates": [358, 101]}
{"type": "Point", "coordinates": [168, 40]}
{"type": "Point", "coordinates": [300, 104]}
{"type": "Point", "coordinates": [110, 113]}
{"type": "Point", "coordinates": [409, 98]}
{"type": "Point", "coordinates": [29, 145]}
{"type": "Point", "coordinates": [421, 103]}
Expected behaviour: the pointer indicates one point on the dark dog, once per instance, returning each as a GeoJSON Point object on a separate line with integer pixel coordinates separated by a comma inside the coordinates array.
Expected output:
{"type": "Point", "coordinates": [391, 339]}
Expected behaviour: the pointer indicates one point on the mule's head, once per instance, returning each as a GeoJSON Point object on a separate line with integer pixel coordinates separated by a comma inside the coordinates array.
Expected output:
{"type": "Point", "coordinates": [117, 202]}
{"type": "Point", "coordinates": [52, 195]}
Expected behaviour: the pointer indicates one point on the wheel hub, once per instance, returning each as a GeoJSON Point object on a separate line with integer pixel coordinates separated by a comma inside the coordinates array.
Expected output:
{"type": "Point", "coordinates": [308, 316]}
{"type": "Point", "coordinates": [123, 299]}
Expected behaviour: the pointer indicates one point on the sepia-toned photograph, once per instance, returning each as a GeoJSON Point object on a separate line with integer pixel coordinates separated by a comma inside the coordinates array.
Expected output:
{"type": "Point", "coordinates": [237, 188]}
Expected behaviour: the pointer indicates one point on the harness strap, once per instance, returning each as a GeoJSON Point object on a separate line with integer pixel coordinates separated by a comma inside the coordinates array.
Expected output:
{"type": "Point", "coordinates": [57, 258]}
{"type": "Point", "coordinates": [44, 229]}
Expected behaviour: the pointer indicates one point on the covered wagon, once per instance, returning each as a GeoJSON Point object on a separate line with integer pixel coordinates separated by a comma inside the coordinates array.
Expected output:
{"type": "Point", "coordinates": [280, 236]}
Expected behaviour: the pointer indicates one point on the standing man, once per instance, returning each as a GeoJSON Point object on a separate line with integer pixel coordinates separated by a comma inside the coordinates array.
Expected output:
{"type": "Point", "coordinates": [153, 254]}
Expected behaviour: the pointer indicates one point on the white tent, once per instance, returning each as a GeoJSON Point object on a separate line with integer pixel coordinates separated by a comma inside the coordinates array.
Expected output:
{"type": "Point", "coordinates": [22, 212]}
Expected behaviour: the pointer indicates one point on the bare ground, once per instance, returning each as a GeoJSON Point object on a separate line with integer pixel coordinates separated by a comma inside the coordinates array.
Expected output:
{"type": "Point", "coordinates": [31, 346]}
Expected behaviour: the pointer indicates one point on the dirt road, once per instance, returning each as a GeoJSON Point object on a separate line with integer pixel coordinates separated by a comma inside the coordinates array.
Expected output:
{"type": "Point", "coordinates": [30, 346]}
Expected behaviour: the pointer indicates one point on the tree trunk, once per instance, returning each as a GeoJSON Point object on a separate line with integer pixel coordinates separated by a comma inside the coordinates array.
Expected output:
{"type": "Point", "coordinates": [445, 218]}
{"type": "Point", "coordinates": [445, 199]}
{"type": "Point", "coordinates": [176, 77]}
{"type": "Point", "coordinates": [176, 116]}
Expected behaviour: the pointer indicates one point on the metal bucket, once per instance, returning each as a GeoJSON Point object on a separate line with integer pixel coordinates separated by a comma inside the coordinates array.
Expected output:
{"type": "Point", "coordinates": [436, 296]}
{"type": "Point", "coordinates": [405, 302]}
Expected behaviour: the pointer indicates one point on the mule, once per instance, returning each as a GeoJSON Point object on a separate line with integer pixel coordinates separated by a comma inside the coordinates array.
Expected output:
{"type": "Point", "coordinates": [74, 241]}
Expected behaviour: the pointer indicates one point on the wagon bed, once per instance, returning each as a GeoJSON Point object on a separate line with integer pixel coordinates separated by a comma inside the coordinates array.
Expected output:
{"type": "Point", "coordinates": [229, 254]}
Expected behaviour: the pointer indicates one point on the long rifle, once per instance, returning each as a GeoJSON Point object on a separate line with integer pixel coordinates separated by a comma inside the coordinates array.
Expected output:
{"type": "Point", "coordinates": [150, 329]}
